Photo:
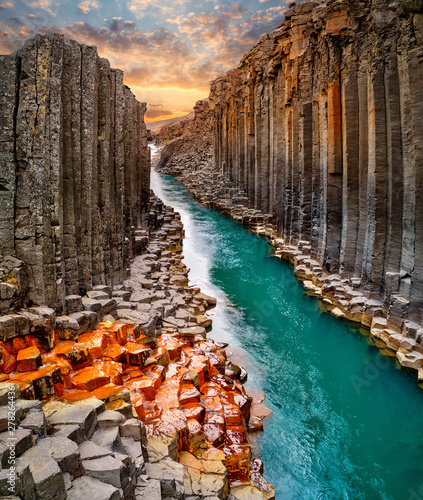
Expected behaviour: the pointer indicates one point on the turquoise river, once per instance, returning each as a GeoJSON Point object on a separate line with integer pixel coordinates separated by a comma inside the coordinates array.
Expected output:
{"type": "Point", "coordinates": [347, 424]}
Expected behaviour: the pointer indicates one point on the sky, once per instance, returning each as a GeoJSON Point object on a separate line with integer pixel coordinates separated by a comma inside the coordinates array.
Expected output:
{"type": "Point", "coordinates": [169, 51]}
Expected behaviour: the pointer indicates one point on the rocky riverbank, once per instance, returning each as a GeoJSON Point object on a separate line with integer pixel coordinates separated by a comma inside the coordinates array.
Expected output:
{"type": "Point", "coordinates": [126, 396]}
{"type": "Point", "coordinates": [340, 296]}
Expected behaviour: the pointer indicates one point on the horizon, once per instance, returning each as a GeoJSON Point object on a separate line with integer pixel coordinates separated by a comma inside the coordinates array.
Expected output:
{"type": "Point", "coordinates": [169, 54]}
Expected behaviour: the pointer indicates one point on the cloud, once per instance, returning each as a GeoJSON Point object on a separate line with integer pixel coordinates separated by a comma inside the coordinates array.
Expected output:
{"type": "Point", "coordinates": [140, 7]}
{"type": "Point", "coordinates": [46, 5]}
{"type": "Point", "coordinates": [155, 111]}
{"type": "Point", "coordinates": [179, 53]}
{"type": "Point", "coordinates": [88, 5]}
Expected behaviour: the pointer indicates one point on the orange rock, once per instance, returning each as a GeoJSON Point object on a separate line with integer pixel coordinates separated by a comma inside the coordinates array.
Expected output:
{"type": "Point", "coordinates": [232, 414]}
{"type": "Point", "coordinates": [173, 370]}
{"type": "Point", "coordinates": [7, 349]}
{"type": "Point", "coordinates": [244, 403]}
{"type": "Point", "coordinates": [175, 417]}
{"type": "Point", "coordinates": [254, 425]}
{"type": "Point", "coordinates": [28, 359]}
{"type": "Point", "coordinates": [224, 382]}
{"type": "Point", "coordinates": [74, 396]}
{"type": "Point", "coordinates": [147, 410]}
{"type": "Point", "coordinates": [194, 426]}
{"type": "Point", "coordinates": [201, 365]}
{"type": "Point", "coordinates": [238, 457]}
{"type": "Point", "coordinates": [205, 345]}
{"type": "Point", "coordinates": [27, 389]}
{"type": "Point", "coordinates": [156, 377]}
{"type": "Point", "coordinates": [44, 380]}
{"type": "Point", "coordinates": [3, 377]}
{"type": "Point", "coordinates": [213, 405]}
{"type": "Point", "coordinates": [122, 334]}
{"type": "Point", "coordinates": [238, 478]}
{"type": "Point", "coordinates": [77, 354]}
{"type": "Point", "coordinates": [159, 429]}
{"type": "Point", "coordinates": [196, 438]}
{"type": "Point", "coordinates": [19, 344]}
{"type": "Point", "coordinates": [216, 361]}
{"type": "Point", "coordinates": [214, 418]}
{"type": "Point", "coordinates": [64, 365]}
{"type": "Point", "coordinates": [112, 392]}
{"type": "Point", "coordinates": [210, 389]}
{"type": "Point", "coordinates": [9, 364]}
{"type": "Point", "coordinates": [110, 368]}
{"type": "Point", "coordinates": [159, 369]}
{"type": "Point", "coordinates": [95, 341]}
{"type": "Point", "coordinates": [42, 343]}
{"type": "Point", "coordinates": [189, 394]}
{"type": "Point", "coordinates": [143, 385]}
{"type": "Point", "coordinates": [116, 353]}
{"type": "Point", "coordinates": [235, 435]}
{"type": "Point", "coordinates": [168, 393]}
{"type": "Point", "coordinates": [131, 372]}
{"type": "Point", "coordinates": [137, 353]}
{"type": "Point", "coordinates": [89, 379]}
{"type": "Point", "coordinates": [214, 433]}
{"type": "Point", "coordinates": [172, 345]}
{"type": "Point", "coordinates": [134, 333]}
{"type": "Point", "coordinates": [194, 411]}
{"type": "Point", "coordinates": [228, 398]}
{"type": "Point", "coordinates": [162, 356]}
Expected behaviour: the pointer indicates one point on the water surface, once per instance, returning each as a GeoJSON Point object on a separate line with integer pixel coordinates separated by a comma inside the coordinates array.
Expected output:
{"type": "Point", "coordinates": [347, 424]}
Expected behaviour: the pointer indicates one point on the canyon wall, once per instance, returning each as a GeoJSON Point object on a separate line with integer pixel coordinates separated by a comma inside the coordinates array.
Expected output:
{"type": "Point", "coordinates": [74, 172]}
{"type": "Point", "coordinates": [320, 126]}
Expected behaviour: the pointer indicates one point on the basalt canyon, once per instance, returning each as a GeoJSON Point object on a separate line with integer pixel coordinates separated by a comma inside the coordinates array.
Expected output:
{"type": "Point", "coordinates": [112, 384]}
{"type": "Point", "coordinates": [316, 134]}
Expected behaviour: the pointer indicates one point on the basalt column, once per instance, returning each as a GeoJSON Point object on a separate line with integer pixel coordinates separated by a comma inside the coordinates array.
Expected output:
{"type": "Point", "coordinates": [320, 127]}
{"type": "Point", "coordinates": [74, 168]}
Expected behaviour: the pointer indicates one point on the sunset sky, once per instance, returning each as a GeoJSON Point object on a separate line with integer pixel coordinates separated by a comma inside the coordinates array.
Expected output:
{"type": "Point", "coordinates": [169, 50]}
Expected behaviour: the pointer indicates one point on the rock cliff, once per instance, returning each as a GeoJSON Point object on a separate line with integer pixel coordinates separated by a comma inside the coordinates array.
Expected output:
{"type": "Point", "coordinates": [320, 127]}
{"type": "Point", "coordinates": [74, 172]}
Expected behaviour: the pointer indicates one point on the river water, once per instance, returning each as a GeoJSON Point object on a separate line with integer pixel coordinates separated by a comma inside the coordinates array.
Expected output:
{"type": "Point", "coordinates": [347, 423]}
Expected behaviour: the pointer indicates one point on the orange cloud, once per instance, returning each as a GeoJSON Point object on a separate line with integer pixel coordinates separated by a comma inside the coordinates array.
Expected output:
{"type": "Point", "coordinates": [171, 65]}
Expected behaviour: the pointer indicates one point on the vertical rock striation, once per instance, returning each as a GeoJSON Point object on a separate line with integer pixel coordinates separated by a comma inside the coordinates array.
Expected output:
{"type": "Point", "coordinates": [74, 168]}
{"type": "Point", "coordinates": [320, 127]}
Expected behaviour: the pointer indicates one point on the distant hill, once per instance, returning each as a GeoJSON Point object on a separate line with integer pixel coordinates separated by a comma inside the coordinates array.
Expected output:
{"type": "Point", "coordinates": [155, 127]}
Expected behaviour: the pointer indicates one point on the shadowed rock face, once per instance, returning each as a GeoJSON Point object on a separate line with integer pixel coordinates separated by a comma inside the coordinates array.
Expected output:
{"type": "Point", "coordinates": [74, 167]}
{"type": "Point", "coordinates": [320, 126]}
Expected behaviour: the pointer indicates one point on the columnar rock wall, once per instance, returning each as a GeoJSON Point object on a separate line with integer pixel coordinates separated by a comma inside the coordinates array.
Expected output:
{"type": "Point", "coordinates": [74, 168]}
{"type": "Point", "coordinates": [320, 126]}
